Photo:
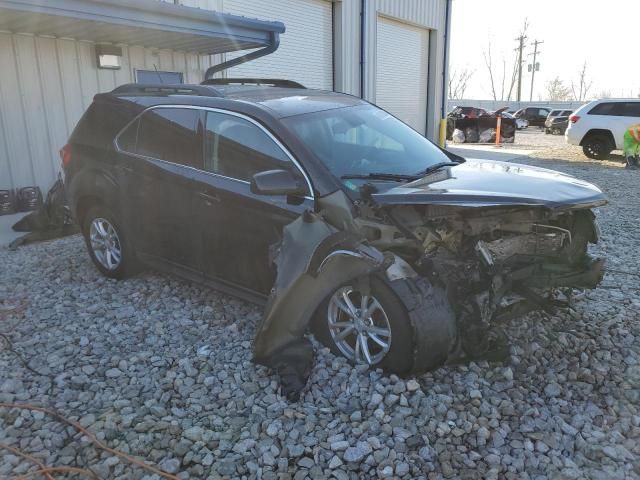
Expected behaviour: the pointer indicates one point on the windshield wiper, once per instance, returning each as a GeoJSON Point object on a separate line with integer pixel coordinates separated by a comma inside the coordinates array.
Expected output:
{"type": "Point", "coordinates": [399, 177]}
{"type": "Point", "coordinates": [435, 167]}
{"type": "Point", "coordinates": [394, 177]}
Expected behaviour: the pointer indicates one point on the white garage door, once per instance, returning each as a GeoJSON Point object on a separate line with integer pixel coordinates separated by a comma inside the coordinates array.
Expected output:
{"type": "Point", "coordinates": [306, 48]}
{"type": "Point", "coordinates": [402, 56]}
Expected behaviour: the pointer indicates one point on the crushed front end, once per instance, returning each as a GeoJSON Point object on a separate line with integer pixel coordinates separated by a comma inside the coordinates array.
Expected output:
{"type": "Point", "coordinates": [459, 269]}
{"type": "Point", "coordinates": [495, 262]}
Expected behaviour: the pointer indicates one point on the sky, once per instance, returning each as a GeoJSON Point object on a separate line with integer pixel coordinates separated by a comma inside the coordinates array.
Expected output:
{"type": "Point", "coordinates": [605, 33]}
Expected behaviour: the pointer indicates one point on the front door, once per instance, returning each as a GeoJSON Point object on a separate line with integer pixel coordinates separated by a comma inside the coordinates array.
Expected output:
{"type": "Point", "coordinates": [236, 227]}
{"type": "Point", "coordinates": [159, 154]}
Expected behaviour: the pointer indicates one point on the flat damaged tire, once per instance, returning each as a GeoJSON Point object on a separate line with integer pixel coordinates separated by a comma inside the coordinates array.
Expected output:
{"type": "Point", "coordinates": [432, 319]}
{"type": "Point", "coordinates": [420, 324]}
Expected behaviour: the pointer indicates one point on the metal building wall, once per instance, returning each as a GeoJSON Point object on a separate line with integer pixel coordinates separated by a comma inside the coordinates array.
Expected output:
{"type": "Point", "coordinates": [45, 86]}
{"type": "Point", "coordinates": [47, 83]}
{"type": "Point", "coordinates": [429, 14]}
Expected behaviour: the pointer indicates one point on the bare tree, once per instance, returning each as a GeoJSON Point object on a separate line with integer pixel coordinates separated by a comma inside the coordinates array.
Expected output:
{"type": "Point", "coordinates": [503, 79]}
{"type": "Point", "coordinates": [604, 93]}
{"type": "Point", "coordinates": [458, 82]}
{"type": "Point", "coordinates": [557, 91]}
{"type": "Point", "coordinates": [581, 88]}
{"type": "Point", "coordinates": [497, 78]}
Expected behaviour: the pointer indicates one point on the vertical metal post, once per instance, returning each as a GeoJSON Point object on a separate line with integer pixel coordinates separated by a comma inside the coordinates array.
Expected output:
{"type": "Point", "coordinates": [445, 74]}
{"type": "Point", "coordinates": [363, 23]}
{"type": "Point", "coordinates": [520, 47]}
{"type": "Point", "coordinates": [498, 128]}
{"type": "Point", "coordinates": [533, 66]}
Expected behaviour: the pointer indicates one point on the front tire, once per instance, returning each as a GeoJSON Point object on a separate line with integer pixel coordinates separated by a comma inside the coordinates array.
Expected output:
{"type": "Point", "coordinates": [596, 147]}
{"type": "Point", "coordinates": [372, 329]}
{"type": "Point", "coordinates": [107, 243]}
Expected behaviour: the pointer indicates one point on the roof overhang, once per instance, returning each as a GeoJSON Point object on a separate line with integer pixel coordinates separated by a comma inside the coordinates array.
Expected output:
{"type": "Point", "coordinates": [150, 23]}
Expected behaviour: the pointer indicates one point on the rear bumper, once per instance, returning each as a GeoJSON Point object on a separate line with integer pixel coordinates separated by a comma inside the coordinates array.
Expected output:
{"type": "Point", "coordinates": [572, 136]}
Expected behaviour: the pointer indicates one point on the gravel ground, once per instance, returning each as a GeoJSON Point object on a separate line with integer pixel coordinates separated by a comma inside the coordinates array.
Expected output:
{"type": "Point", "coordinates": [161, 369]}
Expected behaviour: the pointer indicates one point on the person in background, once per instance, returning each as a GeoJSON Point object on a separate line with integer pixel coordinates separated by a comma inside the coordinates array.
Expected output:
{"type": "Point", "coordinates": [632, 146]}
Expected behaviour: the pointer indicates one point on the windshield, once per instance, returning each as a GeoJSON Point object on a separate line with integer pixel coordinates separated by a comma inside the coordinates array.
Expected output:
{"type": "Point", "coordinates": [365, 140]}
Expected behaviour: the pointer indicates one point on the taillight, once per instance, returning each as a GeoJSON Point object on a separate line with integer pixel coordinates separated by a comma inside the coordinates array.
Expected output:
{"type": "Point", "coordinates": [65, 155]}
{"type": "Point", "coordinates": [574, 118]}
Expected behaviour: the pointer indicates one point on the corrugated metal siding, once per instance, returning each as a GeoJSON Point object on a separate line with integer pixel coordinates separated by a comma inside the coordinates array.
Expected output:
{"type": "Point", "coordinates": [430, 14]}
{"type": "Point", "coordinates": [406, 67]}
{"type": "Point", "coordinates": [348, 49]}
{"type": "Point", "coordinates": [425, 13]}
{"type": "Point", "coordinates": [45, 86]}
{"type": "Point", "coordinates": [305, 53]}
{"type": "Point", "coordinates": [47, 83]}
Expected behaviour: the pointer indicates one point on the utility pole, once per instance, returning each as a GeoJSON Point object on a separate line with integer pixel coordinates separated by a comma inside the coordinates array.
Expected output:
{"type": "Point", "coordinates": [534, 66]}
{"type": "Point", "coordinates": [521, 39]}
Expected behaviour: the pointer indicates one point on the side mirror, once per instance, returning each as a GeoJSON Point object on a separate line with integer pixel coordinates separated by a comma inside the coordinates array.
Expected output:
{"type": "Point", "coordinates": [276, 182]}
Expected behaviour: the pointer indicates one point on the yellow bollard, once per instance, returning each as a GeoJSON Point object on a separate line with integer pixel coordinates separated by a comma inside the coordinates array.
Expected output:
{"type": "Point", "coordinates": [443, 132]}
{"type": "Point", "coordinates": [498, 126]}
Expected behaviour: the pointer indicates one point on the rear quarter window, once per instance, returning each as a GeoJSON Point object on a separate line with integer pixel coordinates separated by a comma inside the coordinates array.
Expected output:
{"type": "Point", "coordinates": [101, 123]}
{"type": "Point", "coordinates": [169, 134]}
{"type": "Point", "coordinates": [608, 108]}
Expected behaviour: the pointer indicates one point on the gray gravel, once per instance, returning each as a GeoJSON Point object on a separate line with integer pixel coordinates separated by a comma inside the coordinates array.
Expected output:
{"type": "Point", "coordinates": [161, 369]}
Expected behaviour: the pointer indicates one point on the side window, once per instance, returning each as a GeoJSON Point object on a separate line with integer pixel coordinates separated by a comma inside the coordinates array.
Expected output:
{"type": "Point", "coordinates": [632, 109]}
{"type": "Point", "coordinates": [170, 134]}
{"type": "Point", "coordinates": [608, 108]}
{"type": "Point", "coordinates": [236, 148]}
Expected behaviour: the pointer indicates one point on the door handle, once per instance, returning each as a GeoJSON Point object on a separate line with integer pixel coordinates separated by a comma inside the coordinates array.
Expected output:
{"type": "Point", "coordinates": [209, 198]}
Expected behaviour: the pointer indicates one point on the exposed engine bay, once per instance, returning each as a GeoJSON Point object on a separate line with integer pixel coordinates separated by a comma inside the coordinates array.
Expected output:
{"type": "Point", "coordinates": [471, 267]}
{"type": "Point", "coordinates": [488, 260]}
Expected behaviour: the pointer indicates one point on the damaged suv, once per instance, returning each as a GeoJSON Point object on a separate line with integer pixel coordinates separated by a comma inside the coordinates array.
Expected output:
{"type": "Point", "coordinates": [342, 219]}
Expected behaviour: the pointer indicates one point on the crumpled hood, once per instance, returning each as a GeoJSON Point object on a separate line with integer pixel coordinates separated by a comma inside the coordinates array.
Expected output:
{"type": "Point", "coordinates": [485, 183]}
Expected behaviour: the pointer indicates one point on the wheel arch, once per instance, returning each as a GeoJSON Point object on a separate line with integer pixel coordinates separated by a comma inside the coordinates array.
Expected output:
{"type": "Point", "coordinates": [599, 132]}
{"type": "Point", "coordinates": [93, 187]}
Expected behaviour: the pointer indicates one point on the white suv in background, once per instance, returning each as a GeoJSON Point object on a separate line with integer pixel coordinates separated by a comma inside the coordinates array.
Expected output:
{"type": "Point", "coordinates": [599, 126]}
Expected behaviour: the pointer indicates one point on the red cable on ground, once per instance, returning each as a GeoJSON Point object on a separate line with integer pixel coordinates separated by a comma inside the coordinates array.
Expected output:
{"type": "Point", "coordinates": [27, 456]}
{"type": "Point", "coordinates": [92, 438]}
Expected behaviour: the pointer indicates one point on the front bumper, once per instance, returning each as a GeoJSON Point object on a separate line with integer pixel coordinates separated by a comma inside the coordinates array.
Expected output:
{"type": "Point", "coordinates": [589, 274]}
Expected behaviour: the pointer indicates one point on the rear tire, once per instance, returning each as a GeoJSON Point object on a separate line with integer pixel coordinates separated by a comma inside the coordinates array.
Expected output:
{"type": "Point", "coordinates": [108, 243]}
{"type": "Point", "coordinates": [597, 147]}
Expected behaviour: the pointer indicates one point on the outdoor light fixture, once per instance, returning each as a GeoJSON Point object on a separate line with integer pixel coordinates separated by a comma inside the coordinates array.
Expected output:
{"type": "Point", "coordinates": [108, 56]}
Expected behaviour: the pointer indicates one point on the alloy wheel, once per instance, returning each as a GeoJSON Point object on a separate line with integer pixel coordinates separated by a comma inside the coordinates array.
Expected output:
{"type": "Point", "coordinates": [358, 326]}
{"type": "Point", "coordinates": [105, 243]}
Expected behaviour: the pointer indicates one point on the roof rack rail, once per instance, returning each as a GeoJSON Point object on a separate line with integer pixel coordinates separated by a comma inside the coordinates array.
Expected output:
{"type": "Point", "coordinates": [275, 82]}
{"type": "Point", "coordinates": [164, 89]}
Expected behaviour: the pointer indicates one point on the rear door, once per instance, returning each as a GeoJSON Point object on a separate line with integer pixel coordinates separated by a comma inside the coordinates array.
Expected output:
{"type": "Point", "coordinates": [236, 228]}
{"type": "Point", "coordinates": [158, 156]}
{"type": "Point", "coordinates": [630, 116]}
